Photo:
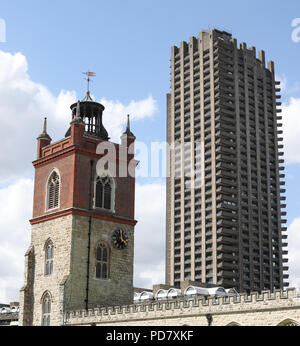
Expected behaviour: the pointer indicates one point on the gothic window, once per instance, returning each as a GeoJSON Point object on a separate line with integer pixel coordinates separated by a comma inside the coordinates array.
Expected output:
{"type": "Point", "coordinates": [49, 256]}
{"type": "Point", "coordinates": [46, 309]}
{"type": "Point", "coordinates": [288, 322]}
{"type": "Point", "coordinates": [53, 187]}
{"type": "Point", "coordinates": [102, 261]}
{"type": "Point", "coordinates": [104, 193]}
{"type": "Point", "coordinates": [233, 324]}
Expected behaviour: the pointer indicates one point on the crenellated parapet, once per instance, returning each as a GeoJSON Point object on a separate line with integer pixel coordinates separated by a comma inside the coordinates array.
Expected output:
{"type": "Point", "coordinates": [253, 309]}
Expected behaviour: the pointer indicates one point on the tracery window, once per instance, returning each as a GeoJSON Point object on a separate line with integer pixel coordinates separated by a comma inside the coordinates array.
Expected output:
{"type": "Point", "coordinates": [49, 257]}
{"type": "Point", "coordinates": [104, 193]}
{"type": "Point", "coordinates": [46, 309]}
{"type": "Point", "coordinates": [102, 261]}
{"type": "Point", "coordinates": [288, 322]}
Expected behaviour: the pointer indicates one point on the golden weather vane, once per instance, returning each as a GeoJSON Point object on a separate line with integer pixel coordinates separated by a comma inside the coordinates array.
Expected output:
{"type": "Point", "coordinates": [89, 74]}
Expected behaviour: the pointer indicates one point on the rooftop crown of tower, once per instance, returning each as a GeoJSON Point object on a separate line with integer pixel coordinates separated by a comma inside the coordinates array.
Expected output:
{"type": "Point", "coordinates": [91, 114]}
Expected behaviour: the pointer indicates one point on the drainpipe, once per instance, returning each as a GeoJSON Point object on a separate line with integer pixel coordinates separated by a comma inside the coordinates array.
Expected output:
{"type": "Point", "coordinates": [209, 319]}
{"type": "Point", "coordinates": [89, 239]}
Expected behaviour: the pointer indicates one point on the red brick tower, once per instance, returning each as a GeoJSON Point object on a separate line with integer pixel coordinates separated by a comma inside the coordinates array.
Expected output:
{"type": "Point", "coordinates": [81, 252]}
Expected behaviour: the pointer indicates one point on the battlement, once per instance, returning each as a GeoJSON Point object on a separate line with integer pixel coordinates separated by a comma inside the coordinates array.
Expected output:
{"type": "Point", "coordinates": [186, 308]}
{"type": "Point", "coordinates": [221, 39]}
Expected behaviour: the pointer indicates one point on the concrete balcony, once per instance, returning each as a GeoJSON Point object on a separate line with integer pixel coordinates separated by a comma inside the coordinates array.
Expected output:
{"type": "Point", "coordinates": [227, 190]}
{"type": "Point", "coordinates": [226, 231]}
{"type": "Point", "coordinates": [225, 158]}
{"type": "Point", "coordinates": [226, 274]}
{"type": "Point", "coordinates": [224, 165]}
{"type": "Point", "coordinates": [227, 248]}
{"type": "Point", "coordinates": [227, 266]}
{"type": "Point", "coordinates": [227, 182]}
{"type": "Point", "coordinates": [223, 240]}
{"type": "Point", "coordinates": [226, 257]}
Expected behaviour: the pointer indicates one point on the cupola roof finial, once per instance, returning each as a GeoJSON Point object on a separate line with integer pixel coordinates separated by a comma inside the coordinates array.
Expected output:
{"type": "Point", "coordinates": [87, 96]}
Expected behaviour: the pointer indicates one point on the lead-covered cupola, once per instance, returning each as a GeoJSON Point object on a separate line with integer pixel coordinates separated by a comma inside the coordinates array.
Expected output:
{"type": "Point", "coordinates": [91, 114]}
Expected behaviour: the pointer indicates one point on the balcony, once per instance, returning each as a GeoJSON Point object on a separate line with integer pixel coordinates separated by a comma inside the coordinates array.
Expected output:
{"type": "Point", "coordinates": [227, 190]}
{"type": "Point", "coordinates": [227, 248]}
{"type": "Point", "coordinates": [225, 158]}
{"type": "Point", "coordinates": [222, 126]}
{"type": "Point", "coordinates": [227, 182]}
{"type": "Point", "coordinates": [227, 266]}
{"type": "Point", "coordinates": [224, 165]}
{"type": "Point", "coordinates": [225, 150]}
{"type": "Point", "coordinates": [226, 231]}
{"type": "Point", "coordinates": [226, 257]}
{"type": "Point", "coordinates": [226, 274]}
{"type": "Point", "coordinates": [223, 240]}
{"type": "Point", "coordinates": [227, 214]}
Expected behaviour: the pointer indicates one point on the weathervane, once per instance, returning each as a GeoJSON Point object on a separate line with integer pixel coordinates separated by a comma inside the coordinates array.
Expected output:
{"type": "Point", "coordinates": [89, 74]}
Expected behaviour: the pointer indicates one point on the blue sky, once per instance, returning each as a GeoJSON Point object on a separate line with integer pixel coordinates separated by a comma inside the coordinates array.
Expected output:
{"type": "Point", "coordinates": [128, 44]}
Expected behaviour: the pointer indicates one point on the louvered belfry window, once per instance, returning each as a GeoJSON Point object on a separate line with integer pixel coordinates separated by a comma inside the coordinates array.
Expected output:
{"type": "Point", "coordinates": [103, 198]}
{"type": "Point", "coordinates": [53, 191]}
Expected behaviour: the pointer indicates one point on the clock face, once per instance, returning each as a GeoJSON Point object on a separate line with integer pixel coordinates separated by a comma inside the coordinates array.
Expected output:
{"type": "Point", "coordinates": [120, 239]}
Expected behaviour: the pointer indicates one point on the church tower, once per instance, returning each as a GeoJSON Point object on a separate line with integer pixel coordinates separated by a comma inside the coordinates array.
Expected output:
{"type": "Point", "coordinates": [82, 241]}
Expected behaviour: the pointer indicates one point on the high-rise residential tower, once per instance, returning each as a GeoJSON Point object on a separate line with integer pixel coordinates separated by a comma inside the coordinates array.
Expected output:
{"type": "Point", "coordinates": [222, 114]}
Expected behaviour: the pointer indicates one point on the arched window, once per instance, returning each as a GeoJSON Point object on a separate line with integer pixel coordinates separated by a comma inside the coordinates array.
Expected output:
{"type": "Point", "coordinates": [104, 193]}
{"type": "Point", "coordinates": [46, 309]}
{"type": "Point", "coordinates": [288, 322]}
{"type": "Point", "coordinates": [102, 261]}
{"type": "Point", "coordinates": [53, 187]}
{"type": "Point", "coordinates": [49, 257]}
{"type": "Point", "coordinates": [233, 324]}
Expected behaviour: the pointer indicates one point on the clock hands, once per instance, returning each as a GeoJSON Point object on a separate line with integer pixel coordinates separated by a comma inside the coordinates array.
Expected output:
{"type": "Point", "coordinates": [120, 239]}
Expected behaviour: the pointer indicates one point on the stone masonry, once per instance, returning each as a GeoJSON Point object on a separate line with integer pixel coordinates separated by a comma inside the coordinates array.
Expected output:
{"type": "Point", "coordinates": [67, 283]}
{"type": "Point", "coordinates": [267, 309]}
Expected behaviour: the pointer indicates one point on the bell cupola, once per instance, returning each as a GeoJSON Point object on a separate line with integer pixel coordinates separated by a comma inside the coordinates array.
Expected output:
{"type": "Point", "coordinates": [91, 114]}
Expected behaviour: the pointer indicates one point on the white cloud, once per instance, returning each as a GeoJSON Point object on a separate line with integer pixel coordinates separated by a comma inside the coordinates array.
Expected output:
{"type": "Point", "coordinates": [149, 254]}
{"type": "Point", "coordinates": [23, 105]}
{"type": "Point", "coordinates": [291, 130]}
{"type": "Point", "coordinates": [283, 82]}
{"type": "Point", "coordinates": [115, 114]}
{"type": "Point", "coordinates": [153, 276]}
{"type": "Point", "coordinates": [15, 231]}
{"type": "Point", "coordinates": [286, 87]}
{"type": "Point", "coordinates": [15, 211]}
{"type": "Point", "coordinates": [294, 253]}
{"type": "Point", "coordinates": [290, 119]}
